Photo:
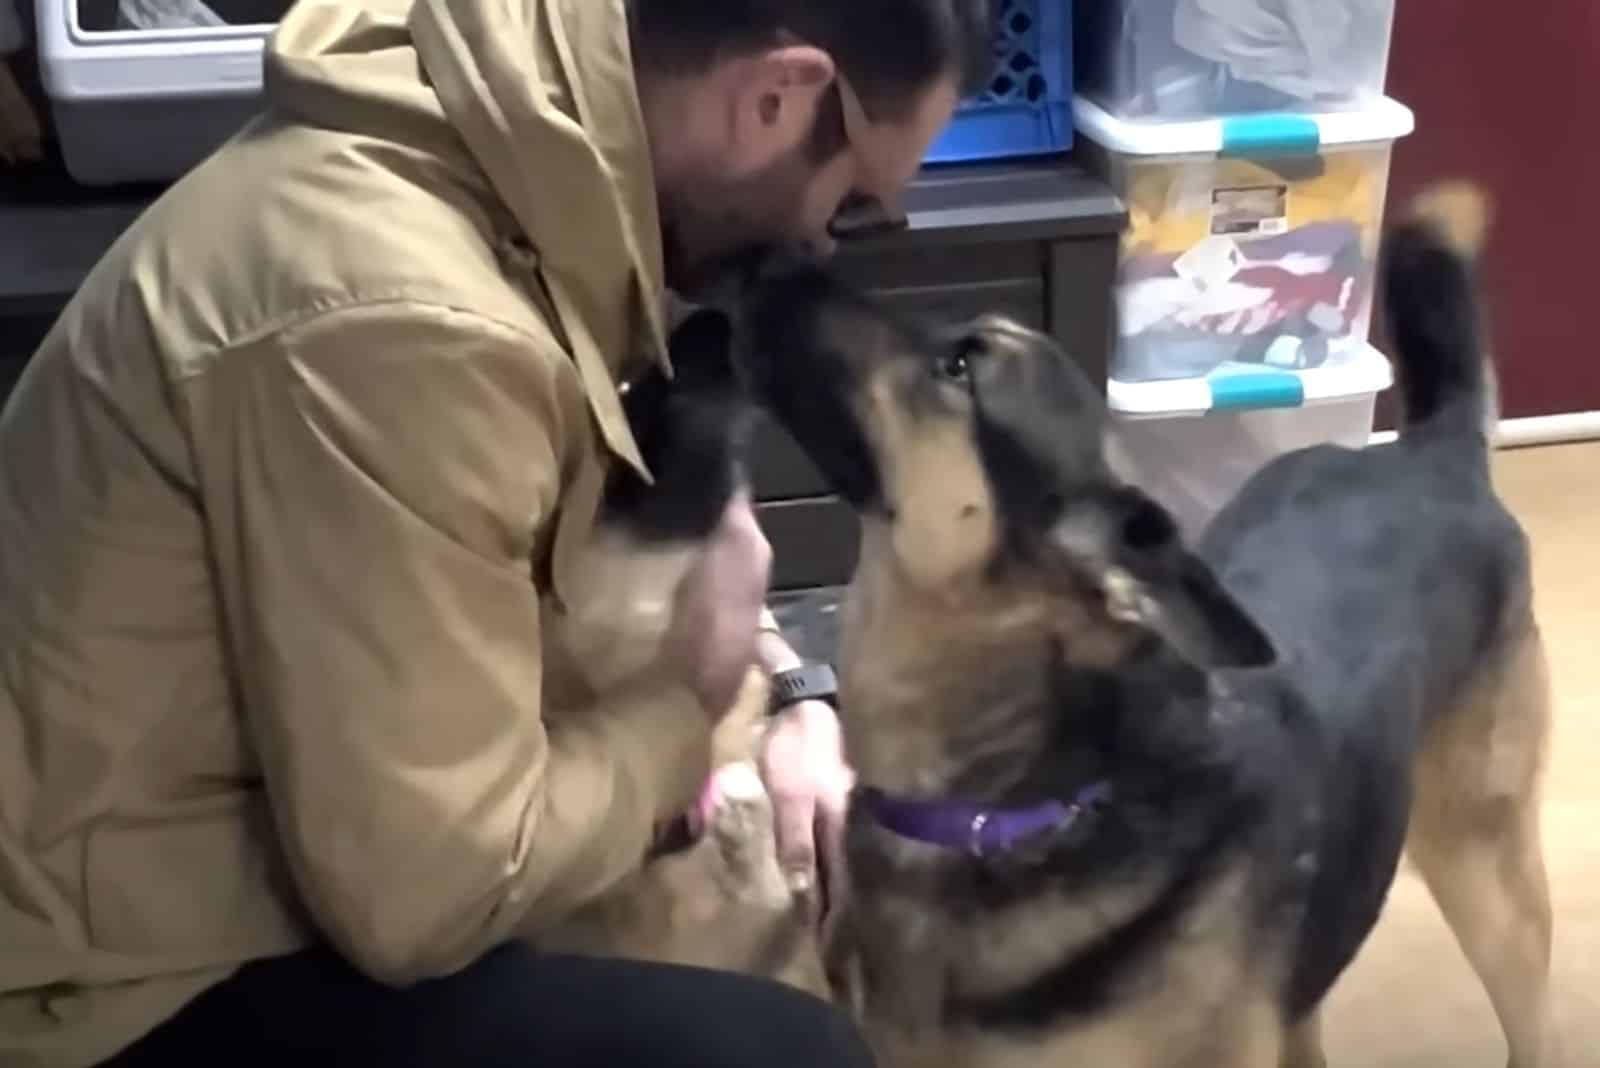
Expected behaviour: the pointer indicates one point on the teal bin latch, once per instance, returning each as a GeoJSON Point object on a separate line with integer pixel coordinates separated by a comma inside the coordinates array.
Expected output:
{"type": "Point", "coordinates": [1250, 390]}
{"type": "Point", "coordinates": [1258, 136]}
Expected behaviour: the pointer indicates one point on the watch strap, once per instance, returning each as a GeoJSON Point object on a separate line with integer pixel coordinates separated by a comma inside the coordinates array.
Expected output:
{"type": "Point", "coordinates": [808, 682]}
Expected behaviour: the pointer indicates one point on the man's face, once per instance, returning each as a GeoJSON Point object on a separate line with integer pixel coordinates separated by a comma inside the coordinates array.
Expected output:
{"type": "Point", "coordinates": [800, 163]}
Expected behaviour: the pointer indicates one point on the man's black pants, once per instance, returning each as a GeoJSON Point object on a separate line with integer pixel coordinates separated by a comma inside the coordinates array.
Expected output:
{"type": "Point", "coordinates": [513, 1007]}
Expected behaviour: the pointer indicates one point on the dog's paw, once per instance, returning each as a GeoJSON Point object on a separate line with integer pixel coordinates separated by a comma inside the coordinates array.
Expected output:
{"type": "Point", "coordinates": [735, 813]}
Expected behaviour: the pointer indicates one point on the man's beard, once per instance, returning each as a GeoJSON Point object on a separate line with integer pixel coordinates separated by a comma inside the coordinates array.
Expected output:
{"type": "Point", "coordinates": [695, 274]}
{"type": "Point", "coordinates": [720, 227]}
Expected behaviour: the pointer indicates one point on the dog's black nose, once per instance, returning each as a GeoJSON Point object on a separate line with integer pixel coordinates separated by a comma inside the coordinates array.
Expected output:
{"type": "Point", "coordinates": [775, 263]}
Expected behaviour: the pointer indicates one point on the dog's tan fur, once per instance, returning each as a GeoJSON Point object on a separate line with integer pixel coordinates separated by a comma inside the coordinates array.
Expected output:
{"type": "Point", "coordinates": [1475, 828]}
{"type": "Point", "coordinates": [1464, 216]}
{"type": "Point", "coordinates": [928, 639]}
{"type": "Point", "coordinates": [1475, 833]}
{"type": "Point", "coordinates": [1200, 1009]}
{"type": "Point", "coordinates": [923, 649]}
{"type": "Point", "coordinates": [910, 678]}
{"type": "Point", "coordinates": [722, 903]}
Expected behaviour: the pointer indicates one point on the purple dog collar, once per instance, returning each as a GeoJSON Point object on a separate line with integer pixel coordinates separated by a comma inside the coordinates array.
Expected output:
{"type": "Point", "coordinates": [977, 829]}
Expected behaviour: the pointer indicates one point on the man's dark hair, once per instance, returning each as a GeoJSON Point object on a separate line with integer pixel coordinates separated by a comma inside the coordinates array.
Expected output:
{"type": "Point", "coordinates": [891, 50]}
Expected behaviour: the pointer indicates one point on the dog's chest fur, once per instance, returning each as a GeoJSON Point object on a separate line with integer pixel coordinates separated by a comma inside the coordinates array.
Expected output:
{"type": "Point", "coordinates": [1209, 994]}
{"type": "Point", "coordinates": [929, 691]}
{"type": "Point", "coordinates": [941, 947]}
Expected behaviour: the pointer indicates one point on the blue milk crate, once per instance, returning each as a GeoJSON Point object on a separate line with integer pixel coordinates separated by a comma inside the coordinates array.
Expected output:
{"type": "Point", "coordinates": [1027, 108]}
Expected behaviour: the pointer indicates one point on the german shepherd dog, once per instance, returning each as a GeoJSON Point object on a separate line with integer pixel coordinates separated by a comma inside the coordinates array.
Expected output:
{"type": "Point", "coordinates": [1130, 802]}
{"type": "Point", "coordinates": [711, 895]}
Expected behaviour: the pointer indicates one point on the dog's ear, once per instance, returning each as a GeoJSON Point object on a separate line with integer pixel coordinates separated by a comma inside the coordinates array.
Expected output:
{"type": "Point", "coordinates": [702, 349]}
{"type": "Point", "coordinates": [1128, 549]}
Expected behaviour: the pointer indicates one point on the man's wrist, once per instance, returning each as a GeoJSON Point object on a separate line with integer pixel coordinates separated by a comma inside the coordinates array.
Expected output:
{"type": "Point", "coordinates": [773, 651]}
{"type": "Point", "coordinates": [774, 654]}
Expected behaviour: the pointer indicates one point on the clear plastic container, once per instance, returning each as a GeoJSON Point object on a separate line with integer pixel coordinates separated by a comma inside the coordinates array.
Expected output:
{"type": "Point", "coordinates": [1191, 444]}
{"type": "Point", "coordinates": [142, 90]}
{"type": "Point", "coordinates": [1249, 240]}
{"type": "Point", "coordinates": [1172, 59]}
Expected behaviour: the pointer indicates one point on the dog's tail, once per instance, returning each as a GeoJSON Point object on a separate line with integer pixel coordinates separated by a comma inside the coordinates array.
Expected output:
{"type": "Point", "coordinates": [1432, 305]}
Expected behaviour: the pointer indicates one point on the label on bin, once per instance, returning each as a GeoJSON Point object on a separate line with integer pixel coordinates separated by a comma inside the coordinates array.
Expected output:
{"type": "Point", "coordinates": [1250, 210]}
{"type": "Point", "coordinates": [1210, 263]}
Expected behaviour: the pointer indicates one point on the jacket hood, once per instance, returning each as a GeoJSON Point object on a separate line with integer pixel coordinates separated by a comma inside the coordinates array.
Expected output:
{"type": "Point", "coordinates": [562, 143]}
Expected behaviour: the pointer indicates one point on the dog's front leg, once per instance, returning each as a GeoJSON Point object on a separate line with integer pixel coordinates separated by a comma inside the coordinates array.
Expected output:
{"type": "Point", "coordinates": [841, 959]}
{"type": "Point", "coordinates": [1302, 1046]}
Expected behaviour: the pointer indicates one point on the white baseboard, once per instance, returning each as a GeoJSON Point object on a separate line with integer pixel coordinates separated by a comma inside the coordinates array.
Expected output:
{"type": "Point", "coordinates": [1534, 430]}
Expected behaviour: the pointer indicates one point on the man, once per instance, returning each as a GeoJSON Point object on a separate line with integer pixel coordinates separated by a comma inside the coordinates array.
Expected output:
{"type": "Point", "coordinates": [287, 762]}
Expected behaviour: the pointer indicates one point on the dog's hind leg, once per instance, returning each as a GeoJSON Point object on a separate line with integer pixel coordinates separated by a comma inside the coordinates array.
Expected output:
{"type": "Point", "coordinates": [1475, 837]}
{"type": "Point", "coordinates": [1302, 1043]}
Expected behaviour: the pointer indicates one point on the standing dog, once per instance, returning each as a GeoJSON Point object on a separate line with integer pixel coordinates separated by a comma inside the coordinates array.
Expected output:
{"type": "Point", "coordinates": [1130, 803]}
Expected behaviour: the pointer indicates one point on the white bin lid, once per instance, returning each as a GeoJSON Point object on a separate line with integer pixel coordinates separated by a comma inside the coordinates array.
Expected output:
{"type": "Point", "coordinates": [1244, 135]}
{"type": "Point", "coordinates": [1249, 387]}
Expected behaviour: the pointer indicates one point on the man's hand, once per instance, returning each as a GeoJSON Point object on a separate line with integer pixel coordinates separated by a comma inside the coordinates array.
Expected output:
{"type": "Point", "coordinates": [716, 623]}
{"type": "Point", "coordinates": [802, 763]}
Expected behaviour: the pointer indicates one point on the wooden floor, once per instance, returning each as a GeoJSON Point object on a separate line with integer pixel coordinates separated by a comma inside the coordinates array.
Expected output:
{"type": "Point", "coordinates": [1410, 1001]}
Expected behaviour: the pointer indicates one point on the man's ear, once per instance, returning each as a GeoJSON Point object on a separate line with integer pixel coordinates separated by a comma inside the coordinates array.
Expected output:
{"type": "Point", "coordinates": [775, 106]}
{"type": "Point", "coordinates": [1127, 547]}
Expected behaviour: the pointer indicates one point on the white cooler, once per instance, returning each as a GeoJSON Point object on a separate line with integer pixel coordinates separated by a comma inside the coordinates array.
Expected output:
{"type": "Point", "coordinates": [142, 90]}
{"type": "Point", "coordinates": [1192, 443]}
{"type": "Point", "coordinates": [1250, 239]}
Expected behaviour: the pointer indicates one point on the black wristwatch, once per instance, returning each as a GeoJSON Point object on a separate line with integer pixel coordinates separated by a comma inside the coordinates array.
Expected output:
{"type": "Point", "coordinates": [808, 682]}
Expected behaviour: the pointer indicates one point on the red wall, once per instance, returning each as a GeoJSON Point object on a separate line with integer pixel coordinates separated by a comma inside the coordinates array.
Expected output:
{"type": "Point", "coordinates": [1509, 95]}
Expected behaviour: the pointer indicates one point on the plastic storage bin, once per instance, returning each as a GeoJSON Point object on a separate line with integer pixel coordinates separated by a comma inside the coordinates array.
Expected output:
{"type": "Point", "coordinates": [1199, 58]}
{"type": "Point", "coordinates": [1027, 108]}
{"type": "Point", "coordinates": [1249, 240]}
{"type": "Point", "coordinates": [1192, 443]}
{"type": "Point", "coordinates": [142, 90]}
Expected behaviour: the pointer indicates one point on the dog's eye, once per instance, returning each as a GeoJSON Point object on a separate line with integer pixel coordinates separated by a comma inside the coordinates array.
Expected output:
{"type": "Point", "coordinates": [955, 365]}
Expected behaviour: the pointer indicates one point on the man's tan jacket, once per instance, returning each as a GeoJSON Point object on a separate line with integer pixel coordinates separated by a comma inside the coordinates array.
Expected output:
{"type": "Point", "coordinates": [286, 500]}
